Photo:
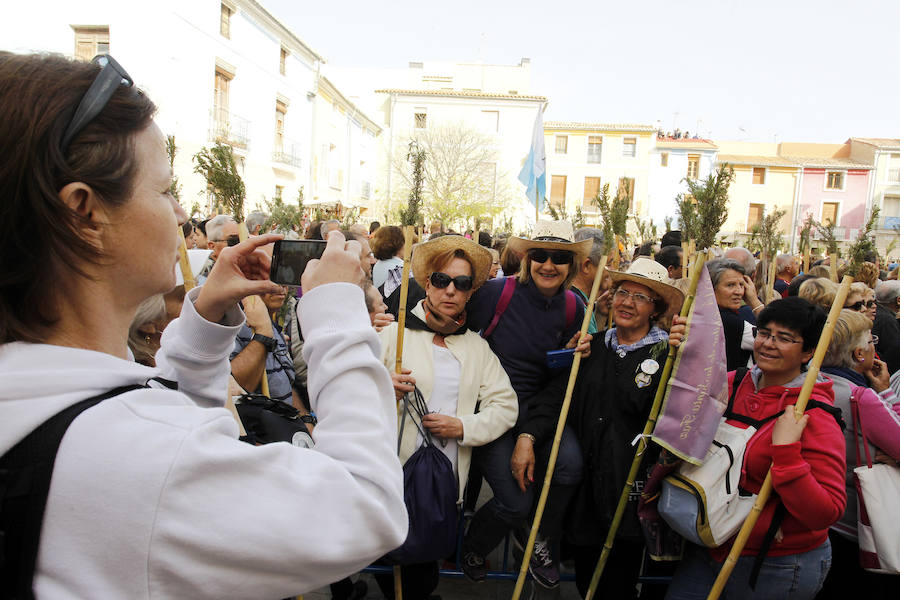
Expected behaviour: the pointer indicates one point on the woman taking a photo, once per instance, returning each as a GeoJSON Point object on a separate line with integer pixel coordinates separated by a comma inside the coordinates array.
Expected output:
{"type": "Point", "coordinates": [152, 494]}
{"type": "Point", "coordinates": [806, 457]}
{"type": "Point", "coordinates": [610, 405]}
{"type": "Point", "coordinates": [468, 394]}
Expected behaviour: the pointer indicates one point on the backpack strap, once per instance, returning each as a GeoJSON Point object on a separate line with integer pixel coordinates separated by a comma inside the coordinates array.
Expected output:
{"type": "Point", "coordinates": [509, 287]}
{"type": "Point", "coordinates": [571, 305]}
{"type": "Point", "coordinates": [25, 472]}
{"type": "Point", "coordinates": [777, 519]}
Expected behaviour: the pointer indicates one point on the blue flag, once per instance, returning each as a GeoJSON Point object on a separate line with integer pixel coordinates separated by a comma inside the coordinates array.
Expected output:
{"type": "Point", "coordinates": [533, 175]}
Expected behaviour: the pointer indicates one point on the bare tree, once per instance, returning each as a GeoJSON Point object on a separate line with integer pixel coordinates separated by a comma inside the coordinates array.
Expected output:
{"type": "Point", "coordinates": [462, 181]}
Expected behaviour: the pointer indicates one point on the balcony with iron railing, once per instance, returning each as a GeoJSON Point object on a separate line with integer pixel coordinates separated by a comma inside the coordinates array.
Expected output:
{"type": "Point", "coordinates": [228, 128]}
{"type": "Point", "coordinates": [287, 152]}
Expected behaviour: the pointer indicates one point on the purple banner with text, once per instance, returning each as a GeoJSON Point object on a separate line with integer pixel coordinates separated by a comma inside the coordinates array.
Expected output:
{"type": "Point", "coordinates": [697, 391]}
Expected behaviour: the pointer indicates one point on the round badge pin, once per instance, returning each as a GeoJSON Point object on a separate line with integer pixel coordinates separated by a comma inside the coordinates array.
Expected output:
{"type": "Point", "coordinates": [649, 366]}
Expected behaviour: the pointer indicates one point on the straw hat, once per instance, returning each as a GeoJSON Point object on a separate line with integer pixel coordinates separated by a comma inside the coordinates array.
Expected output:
{"type": "Point", "coordinates": [650, 273]}
{"type": "Point", "coordinates": [478, 255]}
{"type": "Point", "coordinates": [553, 235]}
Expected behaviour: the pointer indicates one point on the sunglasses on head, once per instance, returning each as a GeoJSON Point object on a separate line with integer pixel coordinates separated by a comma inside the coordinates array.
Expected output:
{"type": "Point", "coordinates": [110, 78]}
{"type": "Point", "coordinates": [441, 280]}
{"type": "Point", "coordinates": [557, 257]}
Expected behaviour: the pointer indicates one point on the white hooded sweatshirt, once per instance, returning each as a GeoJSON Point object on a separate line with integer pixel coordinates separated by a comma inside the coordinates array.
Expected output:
{"type": "Point", "coordinates": [153, 495]}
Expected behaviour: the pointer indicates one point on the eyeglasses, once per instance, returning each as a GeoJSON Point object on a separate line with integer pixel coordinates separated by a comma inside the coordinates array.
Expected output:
{"type": "Point", "coordinates": [231, 240]}
{"type": "Point", "coordinates": [557, 257]}
{"type": "Point", "coordinates": [108, 80]}
{"type": "Point", "coordinates": [858, 306]}
{"type": "Point", "coordinates": [441, 280]}
{"type": "Point", "coordinates": [638, 298]}
{"type": "Point", "coordinates": [874, 340]}
{"type": "Point", "coordinates": [780, 339]}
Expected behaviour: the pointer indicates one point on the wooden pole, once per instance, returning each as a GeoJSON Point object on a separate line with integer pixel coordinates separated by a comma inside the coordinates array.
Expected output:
{"type": "Point", "coordinates": [806, 260]}
{"type": "Point", "coordinates": [184, 263]}
{"type": "Point", "coordinates": [770, 284]}
{"type": "Point", "coordinates": [686, 258]}
{"type": "Point", "coordinates": [642, 442]}
{"type": "Point", "coordinates": [833, 260]}
{"type": "Point", "coordinates": [799, 408]}
{"type": "Point", "coordinates": [560, 425]}
{"type": "Point", "coordinates": [408, 233]}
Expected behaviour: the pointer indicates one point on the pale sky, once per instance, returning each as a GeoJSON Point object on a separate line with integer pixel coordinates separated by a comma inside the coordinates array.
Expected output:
{"type": "Point", "coordinates": [783, 70]}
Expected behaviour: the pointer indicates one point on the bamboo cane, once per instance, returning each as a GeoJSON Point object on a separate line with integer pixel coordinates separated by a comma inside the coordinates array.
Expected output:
{"type": "Point", "coordinates": [833, 260]}
{"type": "Point", "coordinates": [648, 429]}
{"type": "Point", "coordinates": [806, 260]}
{"type": "Point", "coordinates": [408, 232]}
{"type": "Point", "coordinates": [799, 408]}
{"type": "Point", "coordinates": [560, 425]}
{"type": "Point", "coordinates": [686, 258]}
{"type": "Point", "coordinates": [770, 284]}
{"type": "Point", "coordinates": [184, 263]}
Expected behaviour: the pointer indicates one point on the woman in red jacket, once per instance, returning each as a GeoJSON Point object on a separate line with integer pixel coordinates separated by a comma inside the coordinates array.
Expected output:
{"type": "Point", "coordinates": [807, 461]}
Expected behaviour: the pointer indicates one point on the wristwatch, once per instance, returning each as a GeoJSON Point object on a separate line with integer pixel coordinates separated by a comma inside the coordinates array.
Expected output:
{"type": "Point", "coordinates": [269, 343]}
{"type": "Point", "coordinates": [310, 418]}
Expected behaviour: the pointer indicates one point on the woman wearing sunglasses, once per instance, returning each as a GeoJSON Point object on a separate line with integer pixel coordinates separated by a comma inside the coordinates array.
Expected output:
{"type": "Point", "coordinates": [610, 405]}
{"type": "Point", "coordinates": [862, 299]}
{"type": "Point", "coordinates": [523, 319]}
{"type": "Point", "coordinates": [469, 397]}
{"type": "Point", "coordinates": [151, 494]}
{"type": "Point", "coordinates": [854, 370]}
{"type": "Point", "coordinates": [806, 457]}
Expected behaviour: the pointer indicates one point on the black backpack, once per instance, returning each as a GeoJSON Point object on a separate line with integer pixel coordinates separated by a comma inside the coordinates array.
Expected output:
{"type": "Point", "coordinates": [429, 491]}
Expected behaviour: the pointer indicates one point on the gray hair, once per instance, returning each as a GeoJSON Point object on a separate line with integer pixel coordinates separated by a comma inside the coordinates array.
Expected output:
{"type": "Point", "coordinates": [783, 261]}
{"type": "Point", "coordinates": [256, 219]}
{"type": "Point", "coordinates": [743, 256]}
{"type": "Point", "coordinates": [720, 265]}
{"type": "Point", "coordinates": [887, 293]}
{"type": "Point", "coordinates": [329, 226]}
{"type": "Point", "coordinates": [592, 233]}
{"type": "Point", "coordinates": [153, 309]}
{"type": "Point", "coordinates": [216, 225]}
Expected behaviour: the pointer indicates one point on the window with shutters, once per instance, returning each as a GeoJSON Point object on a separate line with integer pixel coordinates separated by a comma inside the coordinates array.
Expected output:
{"type": "Point", "coordinates": [755, 216]}
{"type": "Point", "coordinates": [562, 144]}
{"type": "Point", "coordinates": [629, 147]}
{"type": "Point", "coordinates": [279, 191]}
{"type": "Point", "coordinates": [225, 21]}
{"type": "Point", "coordinates": [591, 189]}
{"type": "Point", "coordinates": [693, 169]}
{"type": "Point", "coordinates": [280, 112]}
{"type": "Point", "coordinates": [91, 41]}
{"type": "Point", "coordinates": [558, 190]}
{"type": "Point", "coordinates": [420, 121]}
{"type": "Point", "coordinates": [829, 213]}
{"type": "Point", "coordinates": [759, 175]}
{"type": "Point", "coordinates": [834, 180]}
{"type": "Point", "coordinates": [595, 149]}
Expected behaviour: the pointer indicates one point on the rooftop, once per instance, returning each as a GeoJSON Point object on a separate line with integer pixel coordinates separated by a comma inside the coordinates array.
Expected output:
{"type": "Point", "coordinates": [461, 94]}
{"type": "Point", "coordinates": [880, 142]}
{"type": "Point", "coordinates": [699, 143]}
{"type": "Point", "coordinates": [791, 161]}
{"type": "Point", "coordinates": [575, 125]}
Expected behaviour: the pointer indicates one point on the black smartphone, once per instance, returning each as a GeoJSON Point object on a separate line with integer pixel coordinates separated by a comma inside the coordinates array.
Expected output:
{"type": "Point", "coordinates": [289, 259]}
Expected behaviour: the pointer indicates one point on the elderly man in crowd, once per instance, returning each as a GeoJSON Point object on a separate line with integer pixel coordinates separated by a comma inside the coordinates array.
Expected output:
{"type": "Point", "coordinates": [587, 270]}
{"type": "Point", "coordinates": [255, 222]}
{"type": "Point", "coordinates": [328, 226]}
{"type": "Point", "coordinates": [221, 232]}
{"type": "Point", "coordinates": [786, 268]}
{"type": "Point", "coordinates": [886, 326]}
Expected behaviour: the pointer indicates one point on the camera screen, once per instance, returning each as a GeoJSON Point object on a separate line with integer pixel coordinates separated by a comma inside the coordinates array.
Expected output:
{"type": "Point", "coordinates": [290, 257]}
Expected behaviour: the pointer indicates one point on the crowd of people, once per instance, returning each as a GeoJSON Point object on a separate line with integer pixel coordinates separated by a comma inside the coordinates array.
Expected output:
{"type": "Point", "coordinates": [153, 494]}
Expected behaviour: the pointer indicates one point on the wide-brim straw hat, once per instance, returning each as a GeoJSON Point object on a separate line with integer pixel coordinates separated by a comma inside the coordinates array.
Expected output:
{"type": "Point", "coordinates": [553, 235]}
{"type": "Point", "coordinates": [479, 256]}
{"type": "Point", "coordinates": [653, 275]}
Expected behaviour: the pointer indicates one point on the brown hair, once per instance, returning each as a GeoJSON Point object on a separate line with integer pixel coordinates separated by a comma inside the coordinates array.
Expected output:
{"type": "Point", "coordinates": [525, 271]}
{"type": "Point", "coordinates": [442, 259]}
{"type": "Point", "coordinates": [819, 291]}
{"type": "Point", "coordinates": [40, 239]}
{"type": "Point", "coordinates": [868, 274]}
{"type": "Point", "coordinates": [387, 241]}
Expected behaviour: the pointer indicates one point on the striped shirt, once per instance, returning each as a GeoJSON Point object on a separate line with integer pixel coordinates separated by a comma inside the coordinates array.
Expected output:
{"type": "Point", "coordinates": [279, 366]}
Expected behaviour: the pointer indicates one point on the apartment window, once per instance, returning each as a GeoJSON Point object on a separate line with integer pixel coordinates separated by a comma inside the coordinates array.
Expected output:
{"type": "Point", "coordinates": [629, 147]}
{"type": "Point", "coordinates": [558, 190]}
{"type": "Point", "coordinates": [591, 189]}
{"type": "Point", "coordinates": [220, 100]}
{"type": "Point", "coordinates": [834, 180]}
{"type": "Point", "coordinates": [693, 170]}
{"type": "Point", "coordinates": [225, 21]}
{"type": "Point", "coordinates": [626, 186]}
{"type": "Point", "coordinates": [759, 175]}
{"type": "Point", "coordinates": [755, 215]}
{"type": "Point", "coordinates": [562, 144]}
{"type": "Point", "coordinates": [664, 159]}
{"type": "Point", "coordinates": [279, 191]}
{"type": "Point", "coordinates": [282, 61]}
{"type": "Point", "coordinates": [893, 173]}
{"type": "Point", "coordinates": [91, 41]}
{"type": "Point", "coordinates": [490, 121]}
{"type": "Point", "coordinates": [421, 120]}
{"type": "Point", "coordinates": [280, 112]}
{"type": "Point", "coordinates": [595, 149]}
{"type": "Point", "coordinates": [829, 213]}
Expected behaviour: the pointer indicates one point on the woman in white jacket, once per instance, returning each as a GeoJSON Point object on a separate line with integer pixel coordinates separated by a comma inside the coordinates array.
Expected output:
{"type": "Point", "coordinates": [469, 396]}
{"type": "Point", "coordinates": [152, 494]}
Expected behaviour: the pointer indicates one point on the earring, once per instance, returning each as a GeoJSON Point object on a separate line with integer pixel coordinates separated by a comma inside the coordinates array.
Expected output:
{"type": "Point", "coordinates": [147, 339]}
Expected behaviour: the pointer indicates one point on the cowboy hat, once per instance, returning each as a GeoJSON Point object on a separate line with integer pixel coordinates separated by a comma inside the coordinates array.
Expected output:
{"type": "Point", "coordinates": [477, 255]}
{"type": "Point", "coordinates": [553, 235]}
{"type": "Point", "coordinates": [653, 275]}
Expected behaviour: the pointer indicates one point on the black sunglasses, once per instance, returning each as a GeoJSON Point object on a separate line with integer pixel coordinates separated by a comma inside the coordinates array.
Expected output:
{"type": "Point", "coordinates": [233, 240]}
{"type": "Point", "coordinates": [858, 306]}
{"type": "Point", "coordinates": [441, 280]}
{"type": "Point", "coordinates": [557, 257]}
{"type": "Point", "coordinates": [108, 80]}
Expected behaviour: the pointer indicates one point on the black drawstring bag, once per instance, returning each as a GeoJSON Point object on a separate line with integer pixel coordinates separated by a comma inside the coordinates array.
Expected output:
{"type": "Point", "coordinates": [267, 421]}
{"type": "Point", "coordinates": [429, 491]}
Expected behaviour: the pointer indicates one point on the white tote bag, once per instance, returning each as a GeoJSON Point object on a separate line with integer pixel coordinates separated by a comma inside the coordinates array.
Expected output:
{"type": "Point", "coordinates": [878, 524]}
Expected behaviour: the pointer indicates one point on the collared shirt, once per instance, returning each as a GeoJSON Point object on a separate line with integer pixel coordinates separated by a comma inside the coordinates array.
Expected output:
{"type": "Point", "coordinates": [655, 335]}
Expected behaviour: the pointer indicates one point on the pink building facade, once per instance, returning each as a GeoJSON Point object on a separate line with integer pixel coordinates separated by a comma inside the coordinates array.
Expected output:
{"type": "Point", "coordinates": [834, 194]}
